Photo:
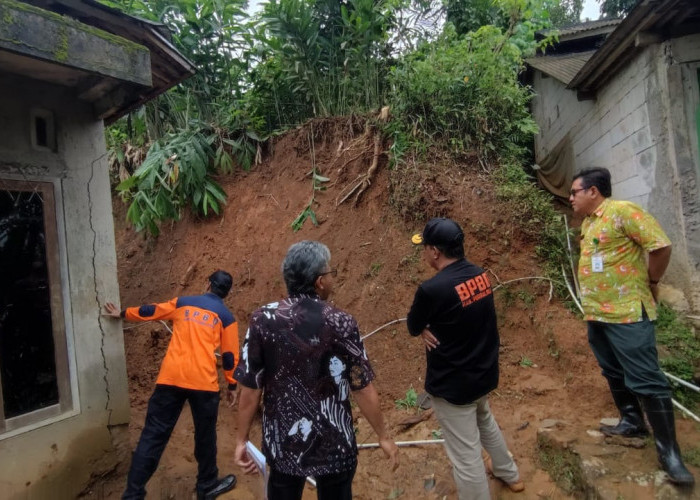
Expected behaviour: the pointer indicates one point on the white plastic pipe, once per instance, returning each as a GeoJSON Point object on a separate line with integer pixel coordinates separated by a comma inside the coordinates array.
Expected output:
{"type": "Point", "coordinates": [403, 443]}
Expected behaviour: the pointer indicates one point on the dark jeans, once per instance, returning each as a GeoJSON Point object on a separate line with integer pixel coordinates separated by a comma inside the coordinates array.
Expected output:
{"type": "Point", "coordinates": [164, 409]}
{"type": "Point", "coordinates": [627, 352]}
{"type": "Point", "coordinates": [329, 487]}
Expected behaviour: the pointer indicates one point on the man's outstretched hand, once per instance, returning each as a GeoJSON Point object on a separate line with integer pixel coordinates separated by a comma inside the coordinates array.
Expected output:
{"type": "Point", "coordinates": [243, 460]}
{"type": "Point", "coordinates": [111, 311]}
{"type": "Point", "coordinates": [391, 451]}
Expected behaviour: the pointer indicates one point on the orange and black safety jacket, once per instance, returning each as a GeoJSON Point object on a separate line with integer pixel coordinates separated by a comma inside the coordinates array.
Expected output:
{"type": "Point", "coordinates": [201, 325]}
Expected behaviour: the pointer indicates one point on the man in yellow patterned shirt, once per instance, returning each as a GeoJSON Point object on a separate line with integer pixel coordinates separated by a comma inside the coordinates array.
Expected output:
{"type": "Point", "coordinates": [618, 294]}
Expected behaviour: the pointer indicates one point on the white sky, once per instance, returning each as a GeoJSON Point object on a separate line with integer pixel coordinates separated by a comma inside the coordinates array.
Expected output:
{"type": "Point", "coordinates": [591, 10]}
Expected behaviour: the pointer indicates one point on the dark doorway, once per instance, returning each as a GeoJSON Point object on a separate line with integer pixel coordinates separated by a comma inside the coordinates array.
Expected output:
{"type": "Point", "coordinates": [27, 351]}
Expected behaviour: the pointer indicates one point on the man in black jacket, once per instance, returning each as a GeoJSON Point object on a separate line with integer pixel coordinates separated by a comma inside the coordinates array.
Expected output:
{"type": "Point", "coordinates": [454, 314]}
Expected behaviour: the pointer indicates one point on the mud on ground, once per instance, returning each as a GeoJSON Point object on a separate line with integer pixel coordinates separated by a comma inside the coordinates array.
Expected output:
{"type": "Point", "coordinates": [547, 370]}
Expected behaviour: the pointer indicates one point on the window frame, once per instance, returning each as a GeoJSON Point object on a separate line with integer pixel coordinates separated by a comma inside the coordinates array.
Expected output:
{"type": "Point", "coordinates": [64, 352]}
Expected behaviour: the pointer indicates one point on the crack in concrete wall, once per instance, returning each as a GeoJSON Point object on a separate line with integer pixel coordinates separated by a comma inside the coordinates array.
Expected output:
{"type": "Point", "coordinates": [97, 293]}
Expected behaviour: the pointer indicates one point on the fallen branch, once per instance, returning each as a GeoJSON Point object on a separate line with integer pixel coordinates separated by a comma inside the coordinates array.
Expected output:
{"type": "Point", "coordinates": [349, 194]}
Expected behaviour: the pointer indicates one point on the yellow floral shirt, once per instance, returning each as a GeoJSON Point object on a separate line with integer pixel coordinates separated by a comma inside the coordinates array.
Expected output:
{"type": "Point", "coordinates": [620, 232]}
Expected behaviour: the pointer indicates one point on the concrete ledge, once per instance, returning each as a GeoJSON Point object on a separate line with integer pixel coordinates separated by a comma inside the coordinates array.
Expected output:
{"type": "Point", "coordinates": [586, 464]}
{"type": "Point", "coordinates": [44, 35]}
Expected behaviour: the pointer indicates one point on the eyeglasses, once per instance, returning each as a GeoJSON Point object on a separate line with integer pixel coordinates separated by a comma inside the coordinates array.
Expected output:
{"type": "Point", "coordinates": [573, 192]}
{"type": "Point", "coordinates": [333, 272]}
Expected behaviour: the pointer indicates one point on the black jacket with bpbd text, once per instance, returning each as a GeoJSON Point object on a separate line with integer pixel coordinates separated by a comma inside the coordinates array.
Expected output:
{"type": "Point", "coordinates": [457, 306]}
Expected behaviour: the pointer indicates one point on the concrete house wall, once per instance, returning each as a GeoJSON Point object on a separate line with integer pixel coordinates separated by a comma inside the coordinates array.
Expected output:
{"type": "Point", "coordinates": [642, 127]}
{"type": "Point", "coordinates": [54, 459]}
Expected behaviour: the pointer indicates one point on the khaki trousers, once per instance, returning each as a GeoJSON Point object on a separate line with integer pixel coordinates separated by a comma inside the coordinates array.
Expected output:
{"type": "Point", "coordinates": [466, 429]}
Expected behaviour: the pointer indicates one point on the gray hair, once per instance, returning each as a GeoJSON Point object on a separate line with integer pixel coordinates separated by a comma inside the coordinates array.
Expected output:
{"type": "Point", "coordinates": [304, 262]}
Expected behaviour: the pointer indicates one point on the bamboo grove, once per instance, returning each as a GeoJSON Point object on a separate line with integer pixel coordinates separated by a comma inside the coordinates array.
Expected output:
{"type": "Point", "coordinates": [448, 69]}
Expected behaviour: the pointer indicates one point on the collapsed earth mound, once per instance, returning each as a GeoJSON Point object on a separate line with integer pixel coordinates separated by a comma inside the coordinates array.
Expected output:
{"type": "Point", "coordinates": [547, 371]}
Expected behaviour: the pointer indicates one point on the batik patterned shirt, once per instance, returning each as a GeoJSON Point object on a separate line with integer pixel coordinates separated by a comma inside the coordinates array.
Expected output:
{"type": "Point", "coordinates": [306, 356]}
{"type": "Point", "coordinates": [619, 232]}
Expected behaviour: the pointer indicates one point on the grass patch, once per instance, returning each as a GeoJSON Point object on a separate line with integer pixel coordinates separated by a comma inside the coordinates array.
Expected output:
{"type": "Point", "coordinates": [409, 402]}
{"type": "Point", "coordinates": [692, 456]}
{"type": "Point", "coordinates": [562, 465]}
{"type": "Point", "coordinates": [373, 270]}
{"type": "Point", "coordinates": [527, 297]}
{"type": "Point", "coordinates": [526, 362]}
{"type": "Point", "coordinates": [681, 349]}
{"type": "Point", "coordinates": [533, 211]}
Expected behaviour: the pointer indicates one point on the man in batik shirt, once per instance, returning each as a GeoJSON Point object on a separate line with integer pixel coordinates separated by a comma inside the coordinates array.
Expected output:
{"type": "Point", "coordinates": [618, 294]}
{"type": "Point", "coordinates": [304, 357]}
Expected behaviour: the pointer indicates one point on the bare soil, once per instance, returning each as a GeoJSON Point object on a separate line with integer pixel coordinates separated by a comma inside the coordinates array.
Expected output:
{"type": "Point", "coordinates": [547, 369]}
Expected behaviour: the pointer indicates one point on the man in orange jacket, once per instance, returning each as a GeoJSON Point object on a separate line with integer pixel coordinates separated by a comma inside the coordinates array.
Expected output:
{"type": "Point", "coordinates": [201, 325]}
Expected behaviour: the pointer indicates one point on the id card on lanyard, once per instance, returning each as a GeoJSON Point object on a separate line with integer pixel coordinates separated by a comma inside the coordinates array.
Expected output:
{"type": "Point", "coordinates": [597, 258]}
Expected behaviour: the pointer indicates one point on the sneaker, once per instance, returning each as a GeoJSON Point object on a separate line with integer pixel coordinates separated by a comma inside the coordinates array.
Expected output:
{"type": "Point", "coordinates": [516, 487]}
{"type": "Point", "coordinates": [225, 484]}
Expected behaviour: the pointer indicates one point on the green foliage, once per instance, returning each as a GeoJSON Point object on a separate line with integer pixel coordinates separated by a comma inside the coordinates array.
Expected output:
{"type": "Point", "coordinates": [306, 213]}
{"type": "Point", "coordinates": [395, 493]}
{"type": "Point", "coordinates": [562, 464]}
{"type": "Point", "coordinates": [305, 58]}
{"type": "Point", "coordinates": [565, 12]}
{"type": "Point", "coordinates": [692, 456]}
{"type": "Point", "coordinates": [409, 402]}
{"type": "Point", "coordinates": [526, 362]}
{"type": "Point", "coordinates": [537, 218]}
{"type": "Point", "coordinates": [527, 297]}
{"type": "Point", "coordinates": [321, 58]}
{"type": "Point", "coordinates": [470, 15]}
{"type": "Point", "coordinates": [176, 173]}
{"type": "Point", "coordinates": [682, 348]}
{"type": "Point", "coordinates": [616, 8]}
{"type": "Point", "coordinates": [317, 184]}
{"type": "Point", "coordinates": [374, 269]}
{"type": "Point", "coordinates": [463, 93]}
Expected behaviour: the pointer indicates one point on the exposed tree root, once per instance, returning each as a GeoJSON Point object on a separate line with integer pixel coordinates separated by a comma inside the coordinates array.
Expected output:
{"type": "Point", "coordinates": [362, 182]}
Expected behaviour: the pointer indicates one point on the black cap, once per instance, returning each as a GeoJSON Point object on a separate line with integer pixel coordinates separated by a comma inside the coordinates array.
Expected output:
{"type": "Point", "coordinates": [439, 232]}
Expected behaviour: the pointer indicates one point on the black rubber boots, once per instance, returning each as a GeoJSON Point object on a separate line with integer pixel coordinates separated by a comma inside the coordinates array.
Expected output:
{"type": "Point", "coordinates": [631, 417]}
{"type": "Point", "coordinates": [660, 415]}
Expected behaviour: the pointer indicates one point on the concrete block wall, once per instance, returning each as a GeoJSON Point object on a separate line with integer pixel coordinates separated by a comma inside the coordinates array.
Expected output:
{"type": "Point", "coordinates": [557, 111]}
{"type": "Point", "coordinates": [616, 133]}
{"type": "Point", "coordinates": [637, 128]}
{"type": "Point", "coordinates": [57, 460]}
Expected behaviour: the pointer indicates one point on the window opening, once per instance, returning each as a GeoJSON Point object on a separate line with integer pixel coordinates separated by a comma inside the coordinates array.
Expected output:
{"type": "Point", "coordinates": [34, 375]}
{"type": "Point", "coordinates": [41, 131]}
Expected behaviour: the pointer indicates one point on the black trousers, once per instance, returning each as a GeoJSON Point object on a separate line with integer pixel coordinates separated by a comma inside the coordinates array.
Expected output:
{"type": "Point", "coordinates": [164, 409]}
{"type": "Point", "coordinates": [329, 487]}
{"type": "Point", "coordinates": [627, 352]}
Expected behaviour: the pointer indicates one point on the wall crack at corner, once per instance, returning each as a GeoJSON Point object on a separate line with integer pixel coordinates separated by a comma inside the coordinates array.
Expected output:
{"type": "Point", "coordinates": [97, 295]}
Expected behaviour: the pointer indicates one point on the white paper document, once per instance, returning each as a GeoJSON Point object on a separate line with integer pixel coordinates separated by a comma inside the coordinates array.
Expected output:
{"type": "Point", "coordinates": [259, 459]}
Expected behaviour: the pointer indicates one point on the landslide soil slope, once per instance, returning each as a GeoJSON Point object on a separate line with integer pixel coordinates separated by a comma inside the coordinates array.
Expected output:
{"type": "Point", "coordinates": [547, 370]}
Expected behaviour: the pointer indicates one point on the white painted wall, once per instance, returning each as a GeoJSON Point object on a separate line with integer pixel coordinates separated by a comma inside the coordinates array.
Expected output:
{"type": "Point", "coordinates": [55, 461]}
